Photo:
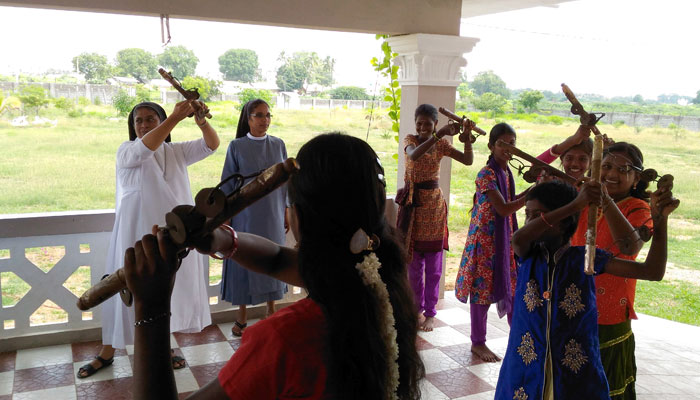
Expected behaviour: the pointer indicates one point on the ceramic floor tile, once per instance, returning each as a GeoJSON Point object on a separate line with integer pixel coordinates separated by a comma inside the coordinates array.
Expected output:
{"type": "Point", "coordinates": [207, 353]}
{"type": "Point", "coordinates": [204, 374]}
{"type": "Point", "coordinates": [120, 368]}
{"type": "Point", "coordinates": [58, 393]}
{"type": "Point", "coordinates": [115, 389]}
{"type": "Point", "coordinates": [453, 316]}
{"type": "Point", "coordinates": [658, 385]}
{"type": "Point", "coordinates": [685, 385]}
{"type": "Point", "coordinates": [235, 343]}
{"type": "Point", "coordinates": [422, 344]}
{"type": "Point", "coordinates": [7, 361]}
{"type": "Point", "coordinates": [430, 392]}
{"type": "Point", "coordinates": [5, 397]}
{"type": "Point", "coordinates": [436, 361]}
{"type": "Point", "coordinates": [185, 380]}
{"type": "Point", "coordinates": [487, 371]}
{"type": "Point", "coordinates": [6, 381]}
{"type": "Point", "coordinates": [444, 336]}
{"type": "Point", "coordinates": [40, 378]}
{"type": "Point", "coordinates": [462, 354]}
{"type": "Point", "coordinates": [210, 334]}
{"type": "Point", "coordinates": [458, 382]}
{"type": "Point", "coordinates": [43, 356]}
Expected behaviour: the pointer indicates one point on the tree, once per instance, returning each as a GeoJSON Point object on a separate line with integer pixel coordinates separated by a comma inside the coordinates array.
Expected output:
{"type": "Point", "coordinates": [93, 66]}
{"type": "Point", "coordinates": [179, 60]}
{"type": "Point", "coordinates": [207, 88]}
{"type": "Point", "coordinates": [239, 65]}
{"type": "Point", "coordinates": [638, 99]}
{"type": "Point", "coordinates": [33, 96]}
{"type": "Point", "coordinates": [696, 100]}
{"type": "Point", "coordinates": [302, 69]}
{"type": "Point", "coordinates": [490, 102]}
{"type": "Point", "coordinates": [247, 95]}
{"type": "Point", "coordinates": [488, 82]}
{"type": "Point", "coordinates": [529, 99]}
{"type": "Point", "coordinates": [349, 93]}
{"type": "Point", "coordinates": [137, 63]}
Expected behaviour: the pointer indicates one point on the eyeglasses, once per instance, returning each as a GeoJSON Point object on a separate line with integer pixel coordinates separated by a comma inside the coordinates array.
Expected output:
{"type": "Point", "coordinates": [261, 115]}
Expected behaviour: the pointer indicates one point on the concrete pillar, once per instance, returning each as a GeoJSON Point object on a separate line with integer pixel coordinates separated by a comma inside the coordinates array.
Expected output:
{"type": "Point", "coordinates": [429, 67]}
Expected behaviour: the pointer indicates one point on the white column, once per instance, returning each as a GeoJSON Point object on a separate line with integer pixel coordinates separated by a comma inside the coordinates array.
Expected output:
{"type": "Point", "coordinates": [429, 72]}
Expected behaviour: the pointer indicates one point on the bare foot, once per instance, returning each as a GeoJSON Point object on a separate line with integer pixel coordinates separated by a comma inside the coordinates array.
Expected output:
{"type": "Point", "coordinates": [485, 353]}
{"type": "Point", "coordinates": [421, 319]}
{"type": "Point", "coordinates": [427, 325]}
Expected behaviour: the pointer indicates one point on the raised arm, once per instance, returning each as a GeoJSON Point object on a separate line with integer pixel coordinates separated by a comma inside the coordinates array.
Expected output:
{"type": "Point", "coordinates": [157, 136]}
{"type": "Point", "coordinates": [581, 133]}
{"type": "Point", "coordinates": [524, 237]}
{"type": "Point", "coordinates": [654, 267]}
{"type": "Point", "coordinates": [208, 131]}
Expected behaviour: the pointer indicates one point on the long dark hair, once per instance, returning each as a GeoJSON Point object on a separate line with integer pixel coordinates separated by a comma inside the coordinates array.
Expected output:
{"type": "Point", "coordinates": [635, 155]}
{"type": "Point", "coordinates": [146, 104]}
{"type": "Point", "coordinates": [346, 170]}
{"type": "Point", "coordinates": [243, 127]}
{"type": "Point", "coordinates": [496, 132]}
{"type": "Point", "coordinates": [556, 194]}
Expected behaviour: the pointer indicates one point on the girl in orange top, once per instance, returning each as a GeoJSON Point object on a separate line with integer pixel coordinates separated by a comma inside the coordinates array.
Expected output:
{"type": "Point", "coordinates": [625, 208]}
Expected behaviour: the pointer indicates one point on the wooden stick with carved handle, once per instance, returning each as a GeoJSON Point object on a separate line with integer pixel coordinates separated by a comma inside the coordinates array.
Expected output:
{"type": "Point", "coordinates": [577, 109]}
{"type": "Point", "coordinates": [591, 231]}
{"type": "Point", "coordinates": [537, 165]}
{"type": "Point", "coordinates": [192, 94]}
{"type": "Point", "coordinates": [187, 224]}
{"type": "Point", "coordinates": [467, 133]}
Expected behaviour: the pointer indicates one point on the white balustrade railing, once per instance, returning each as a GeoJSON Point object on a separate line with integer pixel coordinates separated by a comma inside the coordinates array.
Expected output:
{"type": "Point", "coordinates": [84, 235]}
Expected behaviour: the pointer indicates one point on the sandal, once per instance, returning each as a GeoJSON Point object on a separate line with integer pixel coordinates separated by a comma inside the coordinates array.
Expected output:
{"type": "Point", "coordinates": [240, 327]}
{"type": "Point", "coordinates": [90, 370]}
{"type": "Point", "coordinates": [178, 362]}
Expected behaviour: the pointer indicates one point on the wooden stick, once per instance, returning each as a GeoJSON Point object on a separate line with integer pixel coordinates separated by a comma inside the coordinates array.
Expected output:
{"type": "Point", "coordinates": [463, 136]}
{"type": "Point", "coordinates": [538, 164]}
{"type": "Point", "coordinates": [186, 227]}
{"type": "Point", "coordinates": [591, 232]}
{"type": "Point", "coordinates": [187, 94]}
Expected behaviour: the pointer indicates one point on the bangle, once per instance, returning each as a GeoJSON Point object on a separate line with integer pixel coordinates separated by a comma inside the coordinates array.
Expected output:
{"type": "Point", "coordinates": [436, 136]}
{"type": "Point", "coordinates": [234, 246]}
{"type": "Point", "coordinates": [148, 320]}
{"type": "Point", "coordinates": [545, 221]}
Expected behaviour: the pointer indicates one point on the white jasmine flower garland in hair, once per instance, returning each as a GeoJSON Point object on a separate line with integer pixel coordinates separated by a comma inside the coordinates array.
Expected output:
{"type": "Point", "coordinates": [369, 272]}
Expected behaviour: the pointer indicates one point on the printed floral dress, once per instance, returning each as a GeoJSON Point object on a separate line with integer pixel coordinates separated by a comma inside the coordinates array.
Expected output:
{"type": "Point", "coordinates": [475, 276]}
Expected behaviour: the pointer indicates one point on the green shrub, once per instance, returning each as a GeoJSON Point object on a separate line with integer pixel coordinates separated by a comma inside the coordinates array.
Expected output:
{"type": "Point", "coordinates": [555, 119]}
{"type": "Point", "coordinates": [63, 103]}
{"type": "Point", "coordinates": [618, 123]}
{"type": "Point", "coordinates": [33, 96]}
{"type": "Point", "coordinates": [123, 102]}
{"type": "Point", "coordinates": [143, 93]}
{"type": "Point", "coordinates": [97, 101]}
{"type": "Point", "coordinates": [83, 101]}
{"type": "Point", "coordinates": [349, 93]}
{"type": "Point", "coordinates": [247, 95]}
{"type": "Point", "coordinates": [78, 112]}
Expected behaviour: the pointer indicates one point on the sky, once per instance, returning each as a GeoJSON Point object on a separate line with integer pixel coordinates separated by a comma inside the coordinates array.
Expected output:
{"type": "Point", "coordinates": [609, 47]}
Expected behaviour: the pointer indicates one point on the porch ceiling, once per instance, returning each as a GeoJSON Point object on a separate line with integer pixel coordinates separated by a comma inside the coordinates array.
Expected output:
{"type": "Point", "coordinates": [390, 16]}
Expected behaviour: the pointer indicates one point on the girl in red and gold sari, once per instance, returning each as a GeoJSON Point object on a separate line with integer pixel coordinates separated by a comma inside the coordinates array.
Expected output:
{"type": "Point", "coordinates": [625, 208]}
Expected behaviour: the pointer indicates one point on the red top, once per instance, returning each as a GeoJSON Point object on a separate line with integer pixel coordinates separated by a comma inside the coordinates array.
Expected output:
{"type": "Point", "coordinates": [614, 294]}
{"type": "Point", "coordinates": [280, 357]}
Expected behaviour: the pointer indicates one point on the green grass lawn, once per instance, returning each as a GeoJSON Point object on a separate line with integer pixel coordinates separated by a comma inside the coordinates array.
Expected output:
{"type": "Point", "coordinates": [71, 167]}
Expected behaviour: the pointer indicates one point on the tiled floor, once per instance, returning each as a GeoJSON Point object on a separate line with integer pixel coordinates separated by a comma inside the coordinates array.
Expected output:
{"type": "Point", "coordinates": [668, 360]}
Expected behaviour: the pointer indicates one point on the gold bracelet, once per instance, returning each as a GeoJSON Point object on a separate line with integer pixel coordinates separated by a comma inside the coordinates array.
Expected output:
{"type": "Point", "coordinates": [436, 136]}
